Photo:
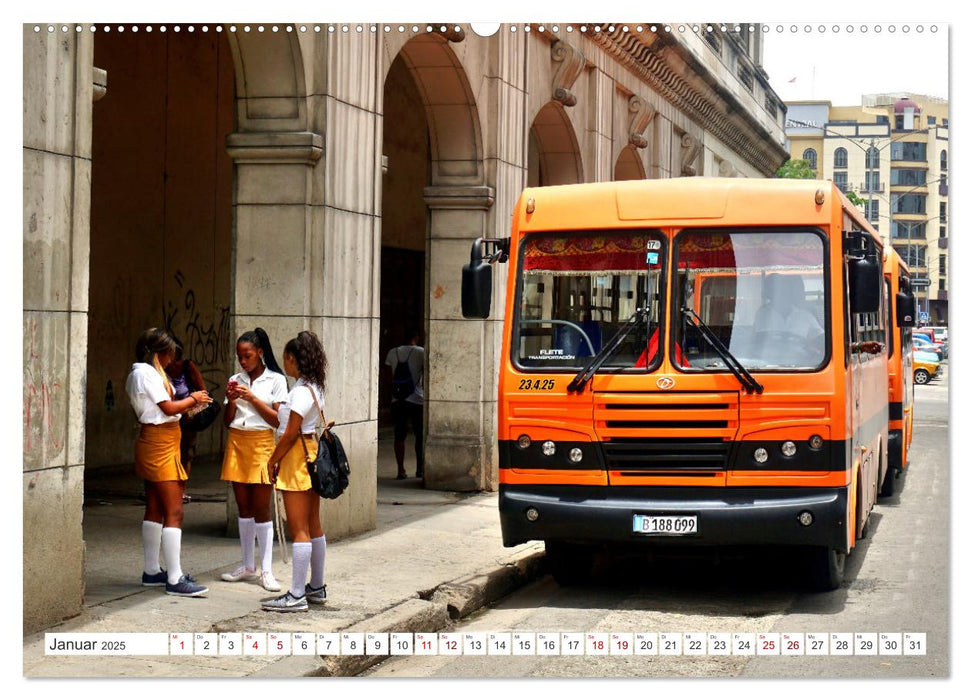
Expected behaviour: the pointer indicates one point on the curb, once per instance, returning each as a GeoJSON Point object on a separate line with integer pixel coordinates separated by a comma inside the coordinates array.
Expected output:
{"type": "Point", "coordinates": [433, 611]}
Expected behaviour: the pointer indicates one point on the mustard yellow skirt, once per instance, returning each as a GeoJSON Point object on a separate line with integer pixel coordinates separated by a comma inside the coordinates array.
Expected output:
{"type": "Point", "coordinates": [157, 453]}
{"type": "Point", "coordinates": [247, 455]}
{"type": "Point", "coordinates": [293, 474]}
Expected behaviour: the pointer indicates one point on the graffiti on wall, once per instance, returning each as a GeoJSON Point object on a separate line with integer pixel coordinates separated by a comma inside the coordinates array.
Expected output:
{"type": "Point", "coordinates": [206, 344]}
{"type": "Point", "coordinates": [41, 391]}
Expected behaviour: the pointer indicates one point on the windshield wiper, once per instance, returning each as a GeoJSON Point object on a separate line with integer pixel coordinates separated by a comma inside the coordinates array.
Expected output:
{"type": "Point", "coordinates": [745, 379]}
{"type": "Point", "coordinates": [595, 362]}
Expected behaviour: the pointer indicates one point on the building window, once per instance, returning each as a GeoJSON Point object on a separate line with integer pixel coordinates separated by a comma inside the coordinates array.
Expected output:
{"type": "Point", "coordinates": [714, 42]}
{"type": "Point", "coordinates": [873, 181]}
{"type": "Point", "coordinates": [839, 158]}
{"type": "Point", "coordinates": [910, 204]}
{"type": "Point", "coordinates": [944, 122]}
{"type": "Point", "coordinates": [941, 285]}
{"type": "Point", "coordinates": [745, 75]}
{"type": "Point", "coordinates": [943, 231]}
{"type": "Point", "coordinates": [943, 216]}
{"type": "Point", "coordinates": [906, 229]}
{"type": "Point", "coordinates": [873, 210]}
{"type": "Point", "coordinates": [908, 176]}
{"type": "Point", "coordinates": [873, 158]}
{"type": "Point", "coordinates": [931, 121]}
{"type": "Point", "coordinates": [942, 265]}
{"type": "Point", "coordinates": [809, 155]}
{"type": "Point", "coordinates": [943, 160]}
{"type": "Point", "coordinates": [913, 255]}
{"type": "Point", "coordinates": [839, 179]}
{"type": "Point", "coordinates": [915, 152]}
{"type": "Point", "coordinates": [882, 119]}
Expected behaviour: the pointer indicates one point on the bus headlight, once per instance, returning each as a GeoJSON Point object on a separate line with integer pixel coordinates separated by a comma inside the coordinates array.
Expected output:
{"type": "Point", "coordinates": [816, 442]}
{"type": "Point", "coordinates": [532, 515]}
{"type": "Point", "coordinates": [549, 448]}
{"type": "Point", "coordinates": [524, 442]}
{"type": "Point", "coordinates": [576, 454]}
{"type": "Point", "coordinates": [761, 455]}
{"type": "Point", "coordinates": [788, 448]}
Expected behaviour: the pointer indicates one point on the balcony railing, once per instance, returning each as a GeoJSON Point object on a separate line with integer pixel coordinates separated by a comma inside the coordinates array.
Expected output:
{"type": "Point", "coordinates": [871, 187]}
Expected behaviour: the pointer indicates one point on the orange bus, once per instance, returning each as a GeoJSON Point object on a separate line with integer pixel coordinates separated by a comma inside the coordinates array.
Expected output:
{"type": "Point", "coordinates": [693, 361]}
{"type": "Point", "coordinates": [901, 318]}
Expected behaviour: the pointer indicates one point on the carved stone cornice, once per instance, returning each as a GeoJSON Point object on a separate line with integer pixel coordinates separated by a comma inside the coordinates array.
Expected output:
{"type": "Point", "coordinates": [670, 69]}
{"type": "Point", "coordinates": [571, 65]}
{"type": "Point", "coordinates": [460, 197]}
{"type": "Point", "coordinates": [690, 148]}
{"type": "Point", "coordinates": [641, 114]}
{"type": "Point", "coordinates": [298, 147]}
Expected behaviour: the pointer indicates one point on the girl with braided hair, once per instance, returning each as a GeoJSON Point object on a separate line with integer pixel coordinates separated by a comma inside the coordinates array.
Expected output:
{"type": "Point", "coordinates": [253, 398]}
{"type": "Point", "coordinates": [305, 361]}
{"type": "Point", "coordinates": [158, 462]}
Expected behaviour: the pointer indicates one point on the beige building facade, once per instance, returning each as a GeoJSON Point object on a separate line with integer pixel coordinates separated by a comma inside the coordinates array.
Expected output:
{"type": "Point", "coordinates": [892, 151]}
{"type": "Point", "coordinates": [326, 177]}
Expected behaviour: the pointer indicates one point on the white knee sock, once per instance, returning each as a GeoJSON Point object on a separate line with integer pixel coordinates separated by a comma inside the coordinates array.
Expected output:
{"type": "Point", "coordinates": [264, 535]}
{"type": "Point", "coordinates": [301, 560]}
{"type": "Point", "coordinates": [246, 535]}
{"type": "Point", "coordinates": [319, 545]}
{"type": "Point", "coordinates": [172, 548]}
{"type": "Point", "coordinates": [151, 544]}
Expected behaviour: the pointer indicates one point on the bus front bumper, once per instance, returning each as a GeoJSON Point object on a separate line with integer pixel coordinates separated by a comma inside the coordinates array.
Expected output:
{"type": "Point", "coordinates": [725, 516]}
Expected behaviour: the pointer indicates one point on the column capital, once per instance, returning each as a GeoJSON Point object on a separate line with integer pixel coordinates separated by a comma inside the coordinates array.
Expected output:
{"type": "Point", "coordinates": [297, 147]}
{"type": "Point", "coordinates": [460, 197]}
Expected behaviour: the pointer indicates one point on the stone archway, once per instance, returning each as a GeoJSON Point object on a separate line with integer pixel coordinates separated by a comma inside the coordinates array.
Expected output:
{"type": "Point", "coordinates": [460, 363]}
{"type": "Point", "coordinates": [629, 165]}
{"type": "Point", "coordinates": [554, 153]}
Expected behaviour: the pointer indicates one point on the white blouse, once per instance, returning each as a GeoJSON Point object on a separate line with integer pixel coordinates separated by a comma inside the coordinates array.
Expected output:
{"type": "Point", "coordinates": [301, 401]}
{"type": "Point", "coordinates": [146, 390]}
{"type": "Point", "coordinates": [270, 388]}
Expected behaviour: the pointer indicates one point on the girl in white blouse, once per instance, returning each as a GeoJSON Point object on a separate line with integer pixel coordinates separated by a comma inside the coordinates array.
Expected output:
{"type": "Point", "coordinates": [305, 361]}
{"type": "Point", "coordinates": [252, 399]}
{"type": "Point", "coordinates": [157, 461]}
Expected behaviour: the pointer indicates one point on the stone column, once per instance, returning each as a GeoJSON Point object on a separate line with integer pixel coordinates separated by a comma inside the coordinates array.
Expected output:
{"type": "Point", "coordinates": [58, 91]}
{"type": "Point", "coordinates": [460, 385]}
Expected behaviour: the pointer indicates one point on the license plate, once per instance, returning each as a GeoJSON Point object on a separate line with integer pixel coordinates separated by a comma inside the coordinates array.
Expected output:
{"type": "Point", "coordinates": [666, 524]}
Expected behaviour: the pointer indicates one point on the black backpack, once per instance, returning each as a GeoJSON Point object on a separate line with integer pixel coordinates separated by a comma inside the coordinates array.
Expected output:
{"type": "Point", "coordinates": [402, 385]}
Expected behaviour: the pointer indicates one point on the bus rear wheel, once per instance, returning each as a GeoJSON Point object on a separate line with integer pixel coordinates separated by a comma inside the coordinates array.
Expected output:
{"type": "Point", "coordinates": [569, 564]}
{"type": "Point", "coordinates": [922, 376]}
{"type": "Point", "coordinates": [827, 566]}
{"type": "Point", "coordinates": [889, 485]}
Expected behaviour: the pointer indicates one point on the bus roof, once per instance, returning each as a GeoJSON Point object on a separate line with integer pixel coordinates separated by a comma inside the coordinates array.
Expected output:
{"type": "Point", "coordinates": [686, 201]}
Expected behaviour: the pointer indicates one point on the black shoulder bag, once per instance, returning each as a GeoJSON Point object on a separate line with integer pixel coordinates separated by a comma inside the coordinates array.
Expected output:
{"type": "Point", "coordinates": [329, 471]}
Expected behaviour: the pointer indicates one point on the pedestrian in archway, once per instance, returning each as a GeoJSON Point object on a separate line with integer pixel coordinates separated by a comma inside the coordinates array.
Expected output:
{"type": "Point", "coordinates": [253, 398]}
{"type": "Point", "coordinates": [407, 363]}
{"type": "Point", "coordinates": [158, 462]}
{"type": "Point", "coordinates": [305, 361]}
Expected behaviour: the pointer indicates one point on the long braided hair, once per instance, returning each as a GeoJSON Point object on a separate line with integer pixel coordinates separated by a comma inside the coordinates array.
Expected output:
{"type": "Point", "coordinates": [149, 346]}
{"type": "Point", "coordinates": [309, 354]}
{"type": "Point", "coordinates": [261, 341]}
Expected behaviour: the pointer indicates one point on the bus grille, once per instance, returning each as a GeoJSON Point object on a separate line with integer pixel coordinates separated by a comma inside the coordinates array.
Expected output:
{"type": "Point", "coordinates": [665, 455]}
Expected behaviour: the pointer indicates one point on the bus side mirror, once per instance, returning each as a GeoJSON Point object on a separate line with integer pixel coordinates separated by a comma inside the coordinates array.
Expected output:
{"type": "Point", "coordinates": [906, 310]}
{"type": "Point", "coordinates": [476, 284]}
{"type": "Point", "coordinates": [866, 280]}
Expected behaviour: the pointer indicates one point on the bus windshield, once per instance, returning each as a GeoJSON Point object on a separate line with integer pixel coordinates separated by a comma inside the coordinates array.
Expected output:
{"type": "Point", "coordinates": [761, 293]}
{"type": "Point", "coordinates": [578, 290]}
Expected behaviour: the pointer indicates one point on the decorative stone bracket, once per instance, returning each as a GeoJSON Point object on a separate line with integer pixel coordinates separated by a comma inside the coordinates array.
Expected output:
{"type": "Point", "coordinates": [726, 169]}
{"type": "Point", "coordinates": [299, 147]}
{"type": "Point", "coordinates": [99, 76]}
{"type": "Point", "coordinates": [571, 65]}
{"type": "Point", "coordinates": [642, 113]}
{"type": "Point", "coordinates": [690, 148]}
{"type": "Point", "coordinates": [460, 197]}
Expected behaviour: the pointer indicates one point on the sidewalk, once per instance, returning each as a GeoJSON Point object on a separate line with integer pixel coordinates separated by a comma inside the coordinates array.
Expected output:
{"type": "Point", "coordinates": [432, 555]}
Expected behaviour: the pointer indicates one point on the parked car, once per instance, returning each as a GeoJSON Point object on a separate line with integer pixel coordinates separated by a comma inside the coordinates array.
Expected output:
{"type": "Point", "coordinates": [926, 367]}
{"type": "Point", "coordinates": [926, 338]}
{"type": "Point", "coordinates": [940, 333]}
{"type": "Point", "coordinates": [928, 347]}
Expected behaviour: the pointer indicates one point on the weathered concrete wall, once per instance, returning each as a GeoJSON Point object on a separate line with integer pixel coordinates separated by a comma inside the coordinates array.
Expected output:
{"type": "Point", "coordinates": [57, 173]}
{"type": "Point", "coordinates": [161, 223]}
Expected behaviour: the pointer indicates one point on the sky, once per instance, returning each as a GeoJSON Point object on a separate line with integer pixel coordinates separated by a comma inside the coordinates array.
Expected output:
{"type": "Point", "coordinates": [830, 62]}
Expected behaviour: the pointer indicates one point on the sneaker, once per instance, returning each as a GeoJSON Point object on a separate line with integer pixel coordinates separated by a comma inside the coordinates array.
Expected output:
{"type": "Point", "coordinates": [186, 588]}
{"type": "Point", "coordinates": [316, 595]}
{"type": "Point", "coordinates": [268, 582]}
{"type": "Point", "coordinates": [240, 574]}
{"type": "Point", "coordinates": [286, 603]}
{"type": "Point", "coordinates": [159, 579]}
